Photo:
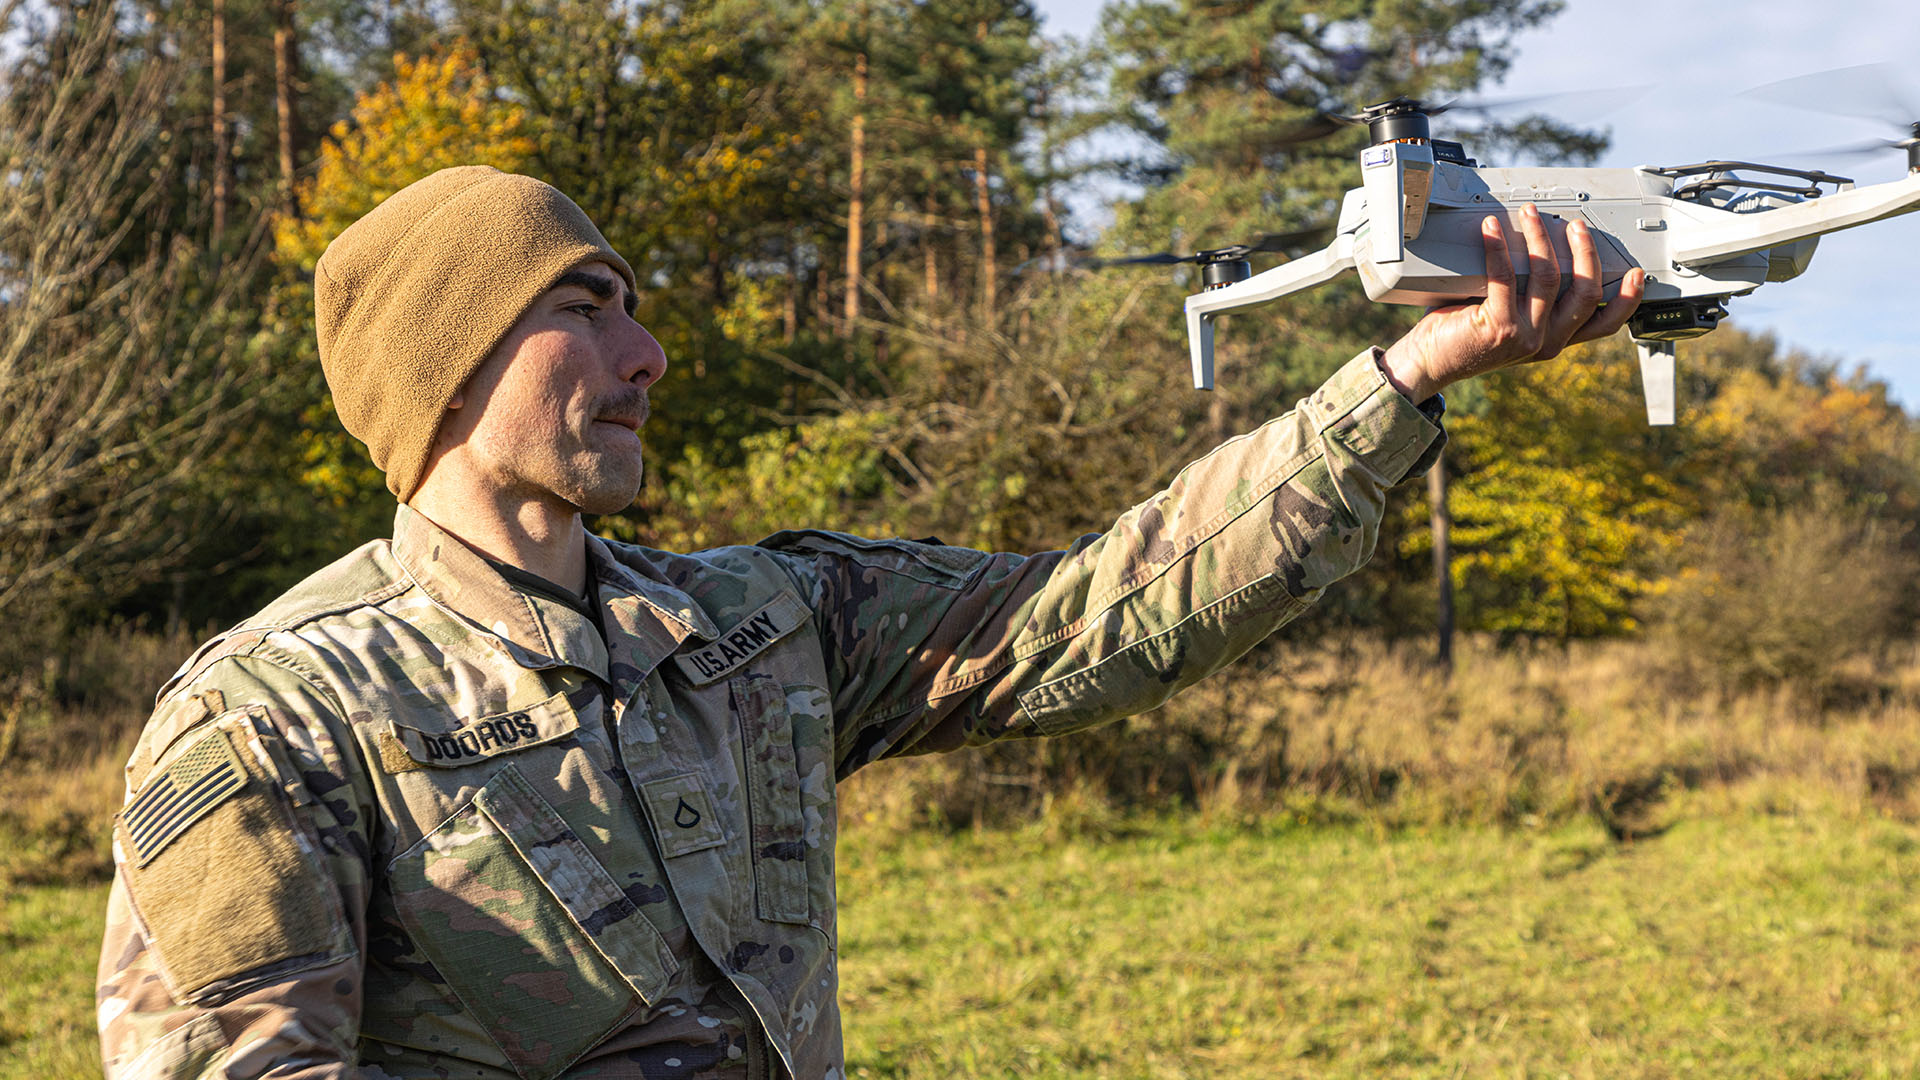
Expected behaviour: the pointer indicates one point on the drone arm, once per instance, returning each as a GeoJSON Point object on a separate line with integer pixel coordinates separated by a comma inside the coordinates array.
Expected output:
{"type": "Point", "coordinates": [1303, 273]}
{"type": "Point", "coordinates": [1741, 233]}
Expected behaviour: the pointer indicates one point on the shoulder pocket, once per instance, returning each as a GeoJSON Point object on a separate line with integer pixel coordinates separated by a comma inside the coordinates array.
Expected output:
{"type": "Point", "coordinates": [529, 930]}
{"type": "Point", "coordinates": [229, 886]}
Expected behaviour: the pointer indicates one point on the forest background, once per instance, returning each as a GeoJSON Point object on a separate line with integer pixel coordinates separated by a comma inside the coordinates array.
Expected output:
{"type": "Point", "coordinates": [854, 224]}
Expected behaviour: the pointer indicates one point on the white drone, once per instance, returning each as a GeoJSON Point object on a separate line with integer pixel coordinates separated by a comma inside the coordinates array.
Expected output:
{"type": "Point", "coordinates": [1703, 233]}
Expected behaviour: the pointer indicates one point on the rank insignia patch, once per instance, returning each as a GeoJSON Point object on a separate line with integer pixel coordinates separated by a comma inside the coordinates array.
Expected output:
{"type": "Point", "coordinates": [200, 779]}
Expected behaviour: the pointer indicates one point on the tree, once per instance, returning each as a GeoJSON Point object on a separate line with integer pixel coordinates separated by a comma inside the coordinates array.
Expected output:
{"type": "Point", "coordinates": [1565, 505]}
{"type": "Point", "coordinates": [438, 111]}
{"type": "Point", "coordinates": [121, 343]}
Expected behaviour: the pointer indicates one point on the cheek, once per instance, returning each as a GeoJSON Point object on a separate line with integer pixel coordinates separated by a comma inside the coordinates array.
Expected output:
{"type": "Point", "coordinates": [527, 415]}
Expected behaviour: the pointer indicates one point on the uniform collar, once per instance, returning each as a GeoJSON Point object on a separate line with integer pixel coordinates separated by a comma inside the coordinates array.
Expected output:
{"type": "Point", "coordinates": [647, 619]}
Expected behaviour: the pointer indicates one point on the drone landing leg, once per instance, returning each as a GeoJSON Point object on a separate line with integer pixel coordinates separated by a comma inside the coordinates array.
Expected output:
{"type": "Point", "coordinates": [1200, 344]}
{"type": "Point", "coordinates": [1656, 379]}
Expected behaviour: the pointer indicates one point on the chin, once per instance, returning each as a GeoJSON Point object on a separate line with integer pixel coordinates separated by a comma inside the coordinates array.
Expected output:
{"type": "Point", "coordinates": [610, 492]}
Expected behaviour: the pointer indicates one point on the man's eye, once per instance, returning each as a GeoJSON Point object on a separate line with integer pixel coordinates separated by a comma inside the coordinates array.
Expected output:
{"type": "Point", "coordinates": [588, 310]}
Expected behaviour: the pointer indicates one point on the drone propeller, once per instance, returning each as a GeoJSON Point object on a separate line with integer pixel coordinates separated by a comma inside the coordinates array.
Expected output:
{"type": "Point", "coordinates": [1231, 252]}
{"type": "Point", "coordinates": [1866, 92]}
{"type": "Point", "coordinates": [1861, 149]}
{"type": "Point", "coordinates": [1407, 117]}
{"type": "Point", "coordinates": [1282, 241]}
{"type": "Point", "coordinates": [1404, 104]}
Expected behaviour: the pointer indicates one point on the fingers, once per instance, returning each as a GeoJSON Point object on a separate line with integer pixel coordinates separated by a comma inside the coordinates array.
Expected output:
{"type": "Point", "coordinates": [1576, 308]}
{"type": "Point", "coordinates": [1543, 271]}
{"type": "Point", "coordinates": [1615, 315]}
{"type": "Point", "coordinates": [1500, 281]}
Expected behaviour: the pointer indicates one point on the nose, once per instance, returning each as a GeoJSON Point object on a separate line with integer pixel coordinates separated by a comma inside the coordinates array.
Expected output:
{"type": "Point", "coordinates": [642, 361]}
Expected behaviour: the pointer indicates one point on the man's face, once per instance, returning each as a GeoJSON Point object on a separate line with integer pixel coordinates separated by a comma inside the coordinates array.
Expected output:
{"type": "Point", "coordinates": [554, 413]}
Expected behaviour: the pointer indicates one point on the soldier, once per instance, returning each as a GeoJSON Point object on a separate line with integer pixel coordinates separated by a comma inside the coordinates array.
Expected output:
{"type": "Point", "coordinates": [499, 798]}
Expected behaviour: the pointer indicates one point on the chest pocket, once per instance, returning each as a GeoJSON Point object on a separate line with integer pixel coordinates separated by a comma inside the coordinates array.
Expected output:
{"type": "Point", "coordinates": [776, 817]}
{"type": "Point", "coordinates": [527, 928]}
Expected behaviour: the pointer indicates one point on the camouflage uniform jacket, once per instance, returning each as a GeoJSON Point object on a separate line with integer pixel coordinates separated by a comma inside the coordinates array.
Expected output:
{"type": "Point", "coordinates": [411, 821]}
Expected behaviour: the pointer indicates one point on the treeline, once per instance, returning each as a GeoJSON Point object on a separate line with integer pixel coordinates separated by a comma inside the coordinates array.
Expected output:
{"type": "Point", "coordinates": [857, 225]}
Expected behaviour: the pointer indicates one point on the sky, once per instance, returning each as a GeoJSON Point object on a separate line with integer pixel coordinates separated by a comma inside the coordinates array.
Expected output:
{"type": "Point", "coordinates": [1857, 303]}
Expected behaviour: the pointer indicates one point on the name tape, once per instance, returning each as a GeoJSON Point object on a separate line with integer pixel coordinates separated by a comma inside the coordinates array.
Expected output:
{"type": "Point", "coordinates": [501, 733]}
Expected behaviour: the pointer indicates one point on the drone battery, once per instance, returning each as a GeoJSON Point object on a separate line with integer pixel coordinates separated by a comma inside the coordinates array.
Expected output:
{"type": "Point", "coordinates": [1676, 322]}
{"type": "Point", "coordinates": [1448, 261]}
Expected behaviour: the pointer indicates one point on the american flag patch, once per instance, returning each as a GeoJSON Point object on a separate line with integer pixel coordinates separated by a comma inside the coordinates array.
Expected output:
{"type": "Point", "coordinates": [199, 780]}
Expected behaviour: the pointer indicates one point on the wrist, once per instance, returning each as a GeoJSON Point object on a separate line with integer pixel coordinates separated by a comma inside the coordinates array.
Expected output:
{"type": "Point", "coordinates": [1405, 373]}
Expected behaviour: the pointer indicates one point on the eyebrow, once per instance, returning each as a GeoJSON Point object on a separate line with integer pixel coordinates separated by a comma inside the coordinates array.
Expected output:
{"type": "Point", "coordinates": [599, 285]}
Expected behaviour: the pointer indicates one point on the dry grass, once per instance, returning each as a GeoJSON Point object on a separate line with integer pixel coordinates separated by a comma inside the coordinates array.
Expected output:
{"type": "Point", "coordinates": [55, 823]}
{"type": "Point", "coordinates": [1608, 729]}
{"type": "Point", "coordinates": [1335, 731]}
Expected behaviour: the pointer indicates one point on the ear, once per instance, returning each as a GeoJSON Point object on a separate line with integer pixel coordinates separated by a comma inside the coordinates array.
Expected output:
{"type": "Point", "coordinates": [459, 398]}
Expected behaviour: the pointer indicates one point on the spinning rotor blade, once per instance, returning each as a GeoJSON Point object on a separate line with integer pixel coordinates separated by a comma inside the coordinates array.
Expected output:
{"type": "Point", "coordinates": [1162, 258]}
{"type": "Point", "coordinates": [1867, 92]}
{"type": "Point", "coordinates": [1850, 150]}
{"type": "Point", "coordinates": [1270, 242]}
{"type": "Point", "coordinates": [1483, 106]}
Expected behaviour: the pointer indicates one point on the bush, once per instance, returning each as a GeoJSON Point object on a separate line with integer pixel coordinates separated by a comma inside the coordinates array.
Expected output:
{"type": "Point", "coordinates": [1787, 597]}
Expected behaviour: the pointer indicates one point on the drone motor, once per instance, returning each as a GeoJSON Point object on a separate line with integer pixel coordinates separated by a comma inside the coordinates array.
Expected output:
{"type": "Point", "coordinates": [1220, 273]}
{"type": "Point", "coordinates": [1400, 120]}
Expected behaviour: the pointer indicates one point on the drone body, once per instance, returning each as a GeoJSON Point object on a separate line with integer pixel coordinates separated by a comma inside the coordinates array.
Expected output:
{"type": "Point", "coordinates": [1703, 234]}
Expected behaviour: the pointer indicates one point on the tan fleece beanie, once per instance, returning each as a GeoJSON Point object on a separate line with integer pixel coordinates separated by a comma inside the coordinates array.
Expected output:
{"type": "Point", "coordinates": [412, 297]}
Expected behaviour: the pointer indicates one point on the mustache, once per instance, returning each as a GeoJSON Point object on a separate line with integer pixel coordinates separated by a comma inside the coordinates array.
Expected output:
{"type": "Point", "coordinates": [630, 404]}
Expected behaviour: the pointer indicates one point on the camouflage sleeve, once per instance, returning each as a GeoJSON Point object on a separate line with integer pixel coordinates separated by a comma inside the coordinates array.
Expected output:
{"type": "Point", "coordinates": [236, 924]}
{"type": "Point", "coordinates": [931, 648]}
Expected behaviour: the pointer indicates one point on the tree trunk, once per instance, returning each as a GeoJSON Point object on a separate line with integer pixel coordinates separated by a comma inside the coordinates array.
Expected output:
{"type": "Point", "coordinates": [221, 152]}
{"type": "Point", "coordinates": [716, 264]}
{"type": "Point", "coordinates": [1442, 558]}
{"type": "Point", "coordinates": [822, 301]}
{"type": "Point", "coordinates": [930, 256]}
{"type": "Point", "coordinates": [983, 196]}
{"type": "Point", "coordinates": [286, 61]}
{"type": "Point", "coordinates": [856, 204]}
{"type": "Point", "coordinates": [790, 309]}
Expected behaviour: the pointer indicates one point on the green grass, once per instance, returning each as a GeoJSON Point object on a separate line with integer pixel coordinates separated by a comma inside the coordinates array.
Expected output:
{"type": "Point", "coordinates": [50, 942]}
{"type": "Point", "coordinates": [1735, 945]}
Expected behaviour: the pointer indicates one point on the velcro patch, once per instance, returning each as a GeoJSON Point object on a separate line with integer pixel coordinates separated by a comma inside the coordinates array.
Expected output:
{"type": "Point", "coordinates": [743, 641]}
{"type": "Point", "coordinates": [201, 778]}
{"type": "Point", "coordinates": [683, 817]}
{"type": "Point", "coordinates": [501, 733]}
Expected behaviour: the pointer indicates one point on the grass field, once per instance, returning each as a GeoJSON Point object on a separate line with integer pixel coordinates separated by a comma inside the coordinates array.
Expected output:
{"type": "Point", "coordinates": [1735, 945]}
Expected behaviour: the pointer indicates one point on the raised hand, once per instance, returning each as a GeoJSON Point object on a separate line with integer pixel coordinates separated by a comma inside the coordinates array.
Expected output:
{"type": "Point", "coordinates": [1459, 341]}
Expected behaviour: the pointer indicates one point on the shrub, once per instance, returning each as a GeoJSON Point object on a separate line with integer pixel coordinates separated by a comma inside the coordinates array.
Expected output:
{"type": "Point", "coordinates": [1787, 596]}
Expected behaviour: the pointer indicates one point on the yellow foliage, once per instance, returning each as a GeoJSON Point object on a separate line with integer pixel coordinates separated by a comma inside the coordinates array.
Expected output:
{"type": "Point", "coordinates": [1563, 509]}
{"type": "Point", "coordinates": [438, 112]}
